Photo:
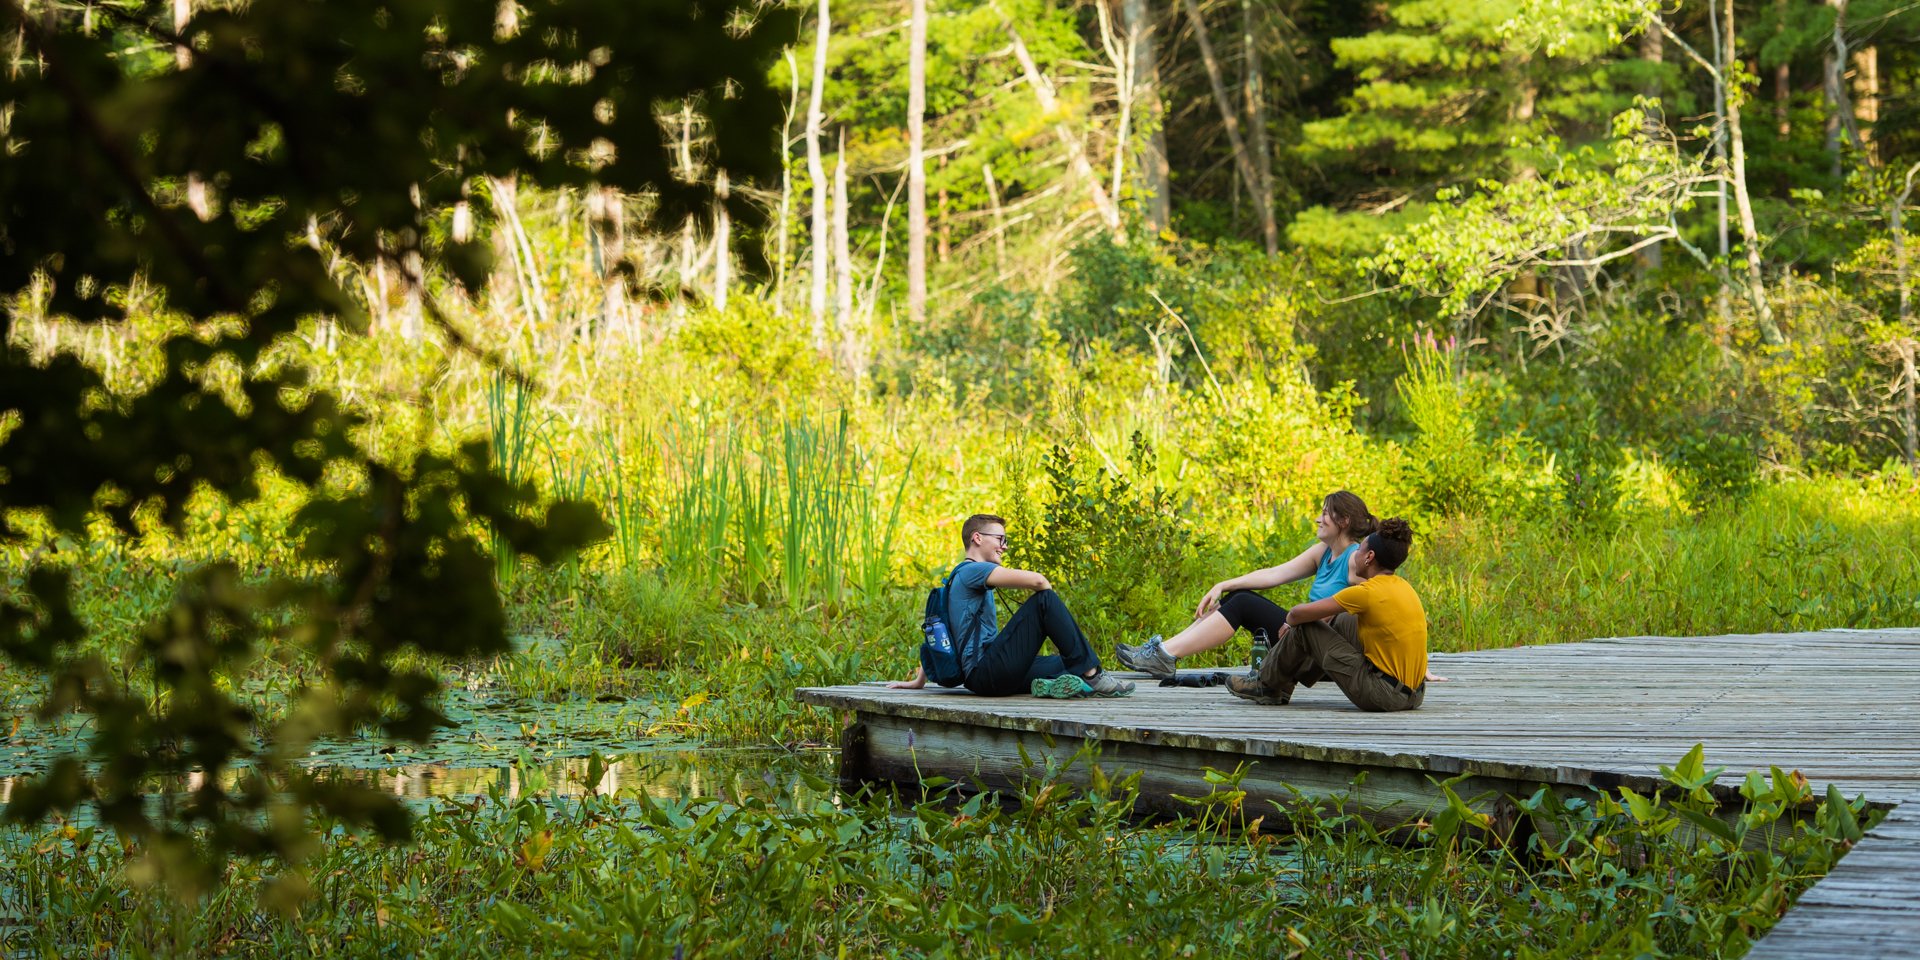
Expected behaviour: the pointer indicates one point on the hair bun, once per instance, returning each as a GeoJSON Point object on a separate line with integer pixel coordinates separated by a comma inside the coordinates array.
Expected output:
{"type": "Point", "coordinates": [1396, 529]}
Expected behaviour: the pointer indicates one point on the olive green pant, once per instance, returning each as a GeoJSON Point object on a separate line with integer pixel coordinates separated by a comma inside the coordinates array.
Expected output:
{"type": "Point", "coordinates": [1312, 652]}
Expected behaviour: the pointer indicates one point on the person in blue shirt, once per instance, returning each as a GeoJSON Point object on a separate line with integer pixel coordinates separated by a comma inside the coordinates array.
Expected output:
{"type": "Point", "coordinates": [1005, 660]}
{"type": "Point", "coordinates": [1231, 605]}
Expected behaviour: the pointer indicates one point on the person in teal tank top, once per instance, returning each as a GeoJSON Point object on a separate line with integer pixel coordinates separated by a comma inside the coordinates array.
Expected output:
{"type": "Point", "coordinates": [1231, 605]}
{"type": "Point", "coordinates": [1331, 576]}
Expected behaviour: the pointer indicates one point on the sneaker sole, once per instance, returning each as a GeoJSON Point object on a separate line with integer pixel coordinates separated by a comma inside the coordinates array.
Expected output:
{"type": "Point", "coordinates": [1128, 692]}
{"type": "Point", "coordinates": [1263, 700]}
{"type": "Point", "coordinates": [1060, 688]}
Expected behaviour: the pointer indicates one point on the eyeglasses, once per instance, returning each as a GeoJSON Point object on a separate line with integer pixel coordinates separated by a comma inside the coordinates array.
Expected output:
{"type": "Point", "coordinates": [1004, 542]}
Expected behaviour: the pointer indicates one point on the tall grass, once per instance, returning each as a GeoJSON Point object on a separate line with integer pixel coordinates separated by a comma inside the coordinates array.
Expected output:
{"type": "Point", "coordinates": [618, 487]}
{"type": "Point", "coordinates": [510, 433]}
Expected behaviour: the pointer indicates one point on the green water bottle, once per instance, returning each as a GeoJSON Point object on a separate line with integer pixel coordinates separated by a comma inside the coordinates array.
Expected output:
{"type": "Point", "coordinates": [1259, 647]}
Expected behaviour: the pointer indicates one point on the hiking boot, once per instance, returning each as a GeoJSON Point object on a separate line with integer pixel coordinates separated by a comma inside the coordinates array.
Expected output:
{"type": "Point", "coordinates": [1149, 658]}
{"type": "Point", "coordinates": [1104, 684]}
{"type": "Point", "coordinates": [1063, 687]}
{"type": "Point", "coordinates": [1250, 688]}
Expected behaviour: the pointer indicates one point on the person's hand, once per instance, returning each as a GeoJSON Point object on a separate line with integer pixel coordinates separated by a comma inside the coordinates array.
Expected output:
{"type": "Point", "coordinates": [1208, 603]}
{"type": "Point", "coordinates": [1435, 678]}
{"type": "Point", "coordinates": [919, 680]}
{"type": "Point", "coordinates": [1044, 584]}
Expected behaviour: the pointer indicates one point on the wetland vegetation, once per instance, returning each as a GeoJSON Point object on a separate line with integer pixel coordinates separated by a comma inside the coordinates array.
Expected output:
{"type": "Point", "coordinates": [412, 532]}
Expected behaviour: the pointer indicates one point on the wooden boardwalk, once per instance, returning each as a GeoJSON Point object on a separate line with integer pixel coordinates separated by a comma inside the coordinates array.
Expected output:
{"type": "Point", "coordinates": [1842, 707]}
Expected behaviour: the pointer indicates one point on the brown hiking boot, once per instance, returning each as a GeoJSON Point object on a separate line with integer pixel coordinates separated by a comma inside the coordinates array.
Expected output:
{"type": "Point", "coordinates": [1250, 688]}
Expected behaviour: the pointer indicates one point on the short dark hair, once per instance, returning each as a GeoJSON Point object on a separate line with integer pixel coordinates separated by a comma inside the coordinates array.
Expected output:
{"type": "Point", "coordinates": [975, 524]}
{"type": "Point", "coordinates": [1391, 542]}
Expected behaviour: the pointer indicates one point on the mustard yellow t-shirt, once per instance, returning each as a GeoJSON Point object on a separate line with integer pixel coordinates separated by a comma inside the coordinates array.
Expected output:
{"type": "Point", "coordinates": [1393, 625]}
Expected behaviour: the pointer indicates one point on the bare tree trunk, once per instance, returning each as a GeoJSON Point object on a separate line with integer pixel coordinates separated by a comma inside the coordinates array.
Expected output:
{"type": "Point", "coordinates": [784, 224]}
{"type": "Point", "coordinates": [1782, 78]}
{"type": "Point", "coordinates": [1155, 175]}
{"type": "Point", "coordinates": [183, 58]}
{"type": "Point", "coordinates": [1076, 151]}
{"type": "Point", "coordinates": [1525, 288]}
{"type": "Point", "coordinates": [916, 165]}
{"type": "Point", "coordinates": [1256, 97]}
{"type": "Point", "coordinates": [689, 247]}
{"type": "Point", "coordinates": [533, 295]}
{"type": "Point", "coordinates": [817, 172]}
{"type": "Point", "coordinates": [1749, 234]}
{"type": "Point", "coordinates": [722, 240]}
{"type": "Point", "coordinates": [943, 242]}
{"type": "Point", "coordinates": [606, 217]}
{"type": "Point", "coordinates": [842, 244]}
{"type": "Point", "coordinates": [1724, 299]}
{"type": "Point", "coordinates": [1866, 106]}
{"type": "Point", "coordinates": [1909, 337]}
{"type": "Point", "coordinates": [1841, 125]}
{"type": "Point", "coordinates": [1653, 51]}
{"type": "Point", "coordinates": [1120, 52]}
{"type": "Point", "coordinates": [999, 221]}
{"type": "Point", "coordinates": [1230, 116]}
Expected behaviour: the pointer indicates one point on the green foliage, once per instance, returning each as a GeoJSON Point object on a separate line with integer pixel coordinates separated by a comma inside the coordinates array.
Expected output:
{"type": "Point", "coordinates": [1110, 543]}
{"type": "Point", "coordinates": [351, 124]}
{"type": "Point", "coordinates": [1716, 466]}
{"type": "Point", "coordinates": [1030, 871]}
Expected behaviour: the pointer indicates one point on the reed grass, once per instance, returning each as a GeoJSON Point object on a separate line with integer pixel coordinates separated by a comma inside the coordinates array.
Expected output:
{"type": "Point", "coordinates": [511, 429]}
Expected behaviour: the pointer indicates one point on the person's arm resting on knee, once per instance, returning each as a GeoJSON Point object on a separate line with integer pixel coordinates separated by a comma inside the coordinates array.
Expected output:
{"type": "Point", "coordinates": [1007, 578]}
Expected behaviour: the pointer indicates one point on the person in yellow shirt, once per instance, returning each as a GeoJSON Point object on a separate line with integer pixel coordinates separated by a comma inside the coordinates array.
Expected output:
{"type": "Point", "coordinates": [1374, 646]}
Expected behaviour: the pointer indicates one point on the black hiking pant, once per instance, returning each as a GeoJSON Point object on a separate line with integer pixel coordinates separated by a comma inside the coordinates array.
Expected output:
{"type": "Point", "coordinates": [1249, 611]}
{"type": "Point", "coordinates": [1011, 663]}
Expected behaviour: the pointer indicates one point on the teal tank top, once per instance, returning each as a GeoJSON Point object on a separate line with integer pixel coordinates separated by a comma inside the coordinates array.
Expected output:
{"type": "Point", "coordinates": [1331, 578]}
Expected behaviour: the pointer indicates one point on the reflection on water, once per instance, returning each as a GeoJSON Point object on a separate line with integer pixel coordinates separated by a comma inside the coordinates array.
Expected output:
{"type": "Point", "coordinates": [774, 776]}
{"type": "Point", "coordinates": [778, 777]}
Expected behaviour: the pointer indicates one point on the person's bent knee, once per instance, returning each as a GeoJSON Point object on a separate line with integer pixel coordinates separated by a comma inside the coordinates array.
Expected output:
{"type": "Point", "coordinates": [1236, 605]}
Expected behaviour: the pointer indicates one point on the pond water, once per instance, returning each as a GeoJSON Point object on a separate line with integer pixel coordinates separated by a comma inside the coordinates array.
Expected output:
{"type": "Point", "coordinates": [495, 740]}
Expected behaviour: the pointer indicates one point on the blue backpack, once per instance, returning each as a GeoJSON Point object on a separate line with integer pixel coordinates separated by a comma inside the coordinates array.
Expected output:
{"type": "Point", "coordinates": [938, 655]}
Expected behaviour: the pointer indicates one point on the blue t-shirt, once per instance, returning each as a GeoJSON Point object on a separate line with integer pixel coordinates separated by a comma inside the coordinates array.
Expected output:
{"type": "Point", "coordinates": [971, 618]}
{"type": "Point", "coordinates": [1331, 578]}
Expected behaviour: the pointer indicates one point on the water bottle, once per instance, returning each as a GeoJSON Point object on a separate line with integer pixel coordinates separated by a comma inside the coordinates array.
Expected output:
{"type": "Point", "coordinates": [936, 631]}
{"type": "Point", "coordinates": [1260, 644]}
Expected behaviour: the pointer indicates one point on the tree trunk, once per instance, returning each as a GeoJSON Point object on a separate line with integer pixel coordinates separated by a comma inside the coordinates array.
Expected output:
{"type": "Point", "coordinates": [1866, 105]}
{"type": "Point", "coordinates": [1841, 125]}
{"type": "Point", "coordinates": [1076, 151]}
{"type": "Point", "coordinates": [916, 165]}
{"type": "Point", "coordinates": [183, 58]}
{"type": "Point", "coordinates": [1257, 124]}
{"type": "Point", "coordinates": [817, 172]}
{"type": "Point", "coordinates": [606, 215]}
{"type": "Point", "coordinates": [999, 221]}
{"type": "Point", "coordinates": [722, 240]}
{"type": "Point", "coordinates": [1230, 116]}
{"type": "Point", "coordinates": [842, 244]}
{"type": "Point", "coordinates": [689, 249]}
{"type": "Point", "coordinates": [1909, 337]}
{"type": "Point", "coordinates": [1120, 51]}
{"type": "Point", "coordinates": [943, 237]}
{"type": "Point", "coordinates": [1749, 235]}
{"type": "Point", "coordinates": [1653, 51]}
{"type": "Point", "coordinates": [1155, 175]}
{"type": "Point", "coordinates": [1724, 298]}
{"type": "Point", "coordinates": [784, 225]}
{"type": "Point", "coordinates": [1782, 78]}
